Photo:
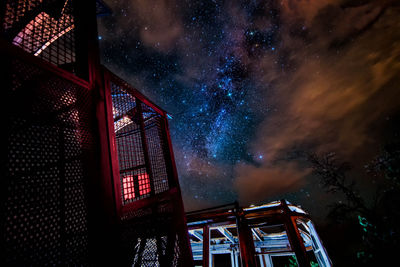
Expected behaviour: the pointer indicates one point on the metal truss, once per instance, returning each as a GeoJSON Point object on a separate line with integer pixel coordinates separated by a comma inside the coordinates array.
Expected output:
{"type": "Point", "coordinates": [264, 235]}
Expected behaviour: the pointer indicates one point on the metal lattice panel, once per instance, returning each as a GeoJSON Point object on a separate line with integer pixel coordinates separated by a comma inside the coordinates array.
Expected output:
{"type": "Point", "coordinates": [133, 175]}
{"type": "Point", "coordinates": [49, 138]}
{"type": "Point", "coordinates": [44, 28]}
{"type": "Point", "coordinates": [138, 130]}
{"type": "Point", "coordinates": [53, 145]}
{"type": "Point", "coordinates": [157, 147]}
{"type": "Point", "coordinates": [16, 10]}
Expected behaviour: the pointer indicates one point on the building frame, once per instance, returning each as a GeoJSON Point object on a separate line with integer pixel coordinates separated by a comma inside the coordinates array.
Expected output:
{"type": "Point", "coordinates": [63, 197]}
{"type": "Point", "coordinates": [256, 235]}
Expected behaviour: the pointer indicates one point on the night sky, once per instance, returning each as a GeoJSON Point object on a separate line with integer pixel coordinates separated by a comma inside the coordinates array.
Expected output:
{"type": "Point", "coordinates": [250, 85]}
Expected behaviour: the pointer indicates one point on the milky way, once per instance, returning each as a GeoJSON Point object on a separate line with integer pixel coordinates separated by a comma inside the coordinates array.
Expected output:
{"type": "Point", "coordinates": [237, 76]}
{"type": "Point", "coordinates": [213, 109]}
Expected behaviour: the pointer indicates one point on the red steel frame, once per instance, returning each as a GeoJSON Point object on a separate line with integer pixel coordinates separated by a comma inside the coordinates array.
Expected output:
{"type": "Point", "coordinates": [173, 194]}
{"type": "Point", "coordinates": [241, 218]}
{"type": "Point", "coordinates": [10, 52]}
{"type": "Point", "coordinates": [206, 246]}
{"type": "Point", "coordinates": [106, 209]}
{"type": "Point", "coordinates": [100, 206]}
{"type": "Point", "coordinates": [173, 183]}
{"type": "Point", "coordinates": [99, 78]}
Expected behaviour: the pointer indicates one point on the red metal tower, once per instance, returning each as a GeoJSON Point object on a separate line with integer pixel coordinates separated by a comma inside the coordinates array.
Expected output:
{"type": "Point", "coordinates": [88, 173]}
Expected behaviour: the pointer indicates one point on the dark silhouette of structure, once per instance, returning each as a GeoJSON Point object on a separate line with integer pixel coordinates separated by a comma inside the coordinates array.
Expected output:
{"type": "Point", "coordinates": [88, 173]}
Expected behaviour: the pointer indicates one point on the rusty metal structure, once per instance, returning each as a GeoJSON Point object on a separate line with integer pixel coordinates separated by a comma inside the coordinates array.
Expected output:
{"type": "Point", "coordinates": [273, 234]}
{"type": "Point", "coordinates": [88, 174]}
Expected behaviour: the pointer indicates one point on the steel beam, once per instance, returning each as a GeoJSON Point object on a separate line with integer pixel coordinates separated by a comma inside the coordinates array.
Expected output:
{"type": "Point", "coordinates": [246, 244]}
{"type": "Point", "coordinates": [206, 246]}
{"type": "Point", "coordinates": [227, 234]}
{"type": "Point", "coordinates": [257, 234]}
{"type": "Point", "coordinates": [295, 239]}
{"type": "Point", "coordinates": [196, 234]}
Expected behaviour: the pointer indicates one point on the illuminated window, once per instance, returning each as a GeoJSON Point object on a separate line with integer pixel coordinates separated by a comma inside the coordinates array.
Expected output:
{"type": "Point", "coordinates": [128, 185]}
{"type": "Point", "coordinates": [143, 186]}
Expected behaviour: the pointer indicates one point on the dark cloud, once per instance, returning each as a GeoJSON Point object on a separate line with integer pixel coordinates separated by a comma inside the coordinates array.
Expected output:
{"type": "Point", "coordinates": [331, 100]}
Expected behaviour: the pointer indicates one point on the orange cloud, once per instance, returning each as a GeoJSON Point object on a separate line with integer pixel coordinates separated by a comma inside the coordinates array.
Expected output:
{"type": "Point", "coordinates": [158, 22]}
{"type": "Point", "coordinates": [257, 183]}
{"type": "Point", "coordinates": [333, 100]}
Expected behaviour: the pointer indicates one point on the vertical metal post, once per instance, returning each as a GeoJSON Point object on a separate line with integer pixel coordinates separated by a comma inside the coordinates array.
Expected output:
{"type": "Point", "coordinates": [169, 162]}
{"type": "Point", "coordinates": [206, 246]}
{"type": "Point", "coordinates": [296, 242]}
{"type": "Point", "coordinates": [103, 243]}
{"type": "Point", "coordinates": [174, 173]}
{"type": "Point", "coordinates": [145, 145]}
{"type": "Point", "coordinates": [181, 220]}
{"type": "Point", "coordinates": [268, 260]}
{"type": "Point", "coordinates": [2, 16]}
{"type": "Point", "coordinates": [318, 244]}
{"type": "Point", "coordinates": [246, 243]}
{"type": "Point", "coordinates": [236, 258]}
{"type": "Point", "coordinates": [262, 261]}
{"type": "Point", "coordinates": [232, 258]}
{"type": "Point", "coordinates": [114, 163]}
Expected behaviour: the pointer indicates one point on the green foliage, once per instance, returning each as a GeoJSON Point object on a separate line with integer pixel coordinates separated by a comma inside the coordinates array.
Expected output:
{"type": "Point", "coordinates": [292, 262]}
{"type": "Point", "coordinates": [379, 230]}
{"type": "Point", "coordinates": [365, 225]}
{"type": "Point", "coordinates": [360, 254]}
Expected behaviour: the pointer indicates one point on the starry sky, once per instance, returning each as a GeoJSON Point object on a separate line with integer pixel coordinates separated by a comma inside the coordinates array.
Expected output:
{"type": "Point", "coordinates": [252, 84]}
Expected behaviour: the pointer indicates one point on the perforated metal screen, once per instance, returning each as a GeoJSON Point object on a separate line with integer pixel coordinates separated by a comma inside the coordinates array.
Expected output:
{"type": "Point", "coordinates": [44, 28]}
{"type": "Point", "coordinates": [157, 147]}
{"type": "Point", "coordinates": [49, 141]}
{"type": "Point", "coordinates": [140, 143]}
{"type": "Point", "coordinates": [53, 146]}
{"type": "Point", "coordinates": [153, 234]}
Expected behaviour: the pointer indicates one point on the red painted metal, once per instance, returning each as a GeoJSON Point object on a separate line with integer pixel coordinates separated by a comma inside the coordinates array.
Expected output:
{"type": "Point", "coordinates": [171, 155]}
{"type": "Point", "coordinates": [206, 246]}
{"type": "Point", "coordinates": [99, 210]}
{"type": "Point", "coordinates": [246, 244]}
{"type": "Point", "coordinates": [247, 218]}
{"type": "Point", "coordinates": [104, 240]}
{"type": "Point", "coordinates": [296, 242]}
{"type": "Point", "coordinates": [145, 146]}
{"type": "Point", "coordinates": [111, 78]}
{"type": "Point", "coordinates": [182, 215]}
{"type": "Point", "coordinates": [56, 116]}
{"type": "Point", "coordinates": [173, 195]}
{"type": "Point", "coordinates": [135, 92]}
{"type": "Point", "coordinates": [150, 201]}
{"type": "Point", "coordinates": [112, 142]}
{"type": "Point", "coordinates": [160, 214]}
{"type": "Point", "coordinates": [17, 52]}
